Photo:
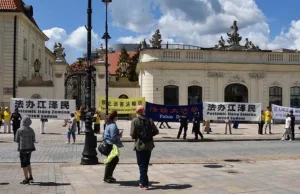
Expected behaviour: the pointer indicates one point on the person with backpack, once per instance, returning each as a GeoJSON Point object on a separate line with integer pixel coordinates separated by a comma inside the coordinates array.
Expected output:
{"type": "Point", "coordinates": [142, 131]}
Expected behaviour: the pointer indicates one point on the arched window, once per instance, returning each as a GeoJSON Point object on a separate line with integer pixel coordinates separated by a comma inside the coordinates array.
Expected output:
{"type": "Point", "coordinates": [295, 97]}
{"type": "Point", "coordinates": [36, 96]}
{"type": "Point", "coordinates": [275, 96]}
{"type": "Point", "coordinates": [194, 95]}
{"type": "Point", "coordinates": [236, 93]}
{"type": "Point", "coordinates": [123, 96]}
{"type": "Point", "coordinates": [171, 95]}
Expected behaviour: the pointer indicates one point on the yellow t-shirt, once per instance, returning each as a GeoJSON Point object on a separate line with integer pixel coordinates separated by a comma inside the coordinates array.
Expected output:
{"type": "Point", "coordinates": [262, 117]}
{"type": "Point", "coordinates": [268, 116]}
{"type": "Point", "coordinates": [77, 115]}
{"type": "Point", "coordinates": [97, 119]}
{"type": "Point", "coordinates": [6, 115]}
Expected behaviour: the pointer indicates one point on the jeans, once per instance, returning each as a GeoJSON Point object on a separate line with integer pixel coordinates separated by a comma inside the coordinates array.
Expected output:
{"type": "Point", "coordinates": [143, 159]}
{"type": "Point", "coordinates": [69, 134]}
{"type": "Point", "coordinates": [110, 167]}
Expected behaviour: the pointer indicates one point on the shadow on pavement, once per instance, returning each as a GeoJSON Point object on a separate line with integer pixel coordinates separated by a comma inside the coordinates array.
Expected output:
{"type": "Point", "coordinates": [49, 184]}
{"type": "Point", "coordinates": [4, 183]}
{"type": "Point", "coordinates": [133, 183]}
{"type": "Point", "coordinates": [170, 187]}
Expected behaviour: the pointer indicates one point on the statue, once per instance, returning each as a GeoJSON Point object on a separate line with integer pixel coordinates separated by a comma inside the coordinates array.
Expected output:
{"type": "Point", "coordinates": [250, 46]}
{"type": "Point", "coordinates": [234, 37]}
{"type": "Point", "coordinates": [221, 43]}
{"type": "Point", "coordinates": [247, 43]}
{"type": "Point", "coordinates": [144, 44]}
{"type": "Point", "coordinates": [59, 53]}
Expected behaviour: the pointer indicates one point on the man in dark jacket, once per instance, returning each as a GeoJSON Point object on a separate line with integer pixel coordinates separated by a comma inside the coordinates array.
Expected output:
{"type": "Point", "coordinates": [196, 125]}
{"type": "Point", "coordinates": [139, 127]}
{"type": "Point", "coordinates": [292, 124]}
{"type": "Point", "coordinates": [183, 124]}
{"type": "Point", "coordinates": [16, 120]}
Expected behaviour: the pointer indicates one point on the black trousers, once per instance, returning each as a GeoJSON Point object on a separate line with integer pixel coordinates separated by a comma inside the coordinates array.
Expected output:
{"type": "Point", "coordinates": [162, 124]}
{"type": "Point", "coordinates": [293, 131]}
{"type": "Point", "coordinates": [185, 127]}
{"type": "Point", "coordinates": [197, 132]}
{"type": "Point", "coordinates": [16, 126]}
{"type": "Point", "coordinates": [260, 127]}
{"type": "Point", "coordinates": [110, 167]}
{"type": "Point", "coordinates": [143, 159]}
{"type": "Point", "coordinates": [97, 128]}
{"type": "Point", "coordinates": [78, 126]}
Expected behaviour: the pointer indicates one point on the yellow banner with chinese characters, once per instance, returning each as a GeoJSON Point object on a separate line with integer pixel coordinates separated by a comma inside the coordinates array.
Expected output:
{"type": "Point", "coordinates": [123, 106]}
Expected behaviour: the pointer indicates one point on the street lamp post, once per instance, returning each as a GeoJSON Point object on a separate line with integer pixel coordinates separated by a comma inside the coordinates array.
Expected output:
{"type": "Point", "coordinates": [89, 154]}
{"type": "Point", "coordinates": [106, 37]}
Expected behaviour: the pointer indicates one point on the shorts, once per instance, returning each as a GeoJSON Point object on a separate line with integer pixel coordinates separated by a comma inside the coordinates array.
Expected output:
{"type": "Point", "coordinates": [25, 159]}
{"type": "Point", "coordinates": [71, 133]}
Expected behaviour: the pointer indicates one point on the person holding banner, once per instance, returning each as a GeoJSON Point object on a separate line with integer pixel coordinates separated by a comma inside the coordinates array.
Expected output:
{"type": "Point", "coordinates": [228, 125]}
{"type": "Point", "coordinates": [6, 116]}
{"type": "Point", "coordinates": [261, 123]}
{"type": "Point", "coordinates": [42, 125]}
{"type": "Point", "coordinates": [183, 124]}
{"type": "Point", "coordinates": [268, 120]}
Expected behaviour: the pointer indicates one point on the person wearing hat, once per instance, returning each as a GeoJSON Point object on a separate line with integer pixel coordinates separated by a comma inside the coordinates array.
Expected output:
{"type": "Point", "coordinates": [292, 124]}
{"type": "Point", "coordinates": [6, 116]}
{"type": "Point", "coordinates": [16, 121]}
{"type": "Point", "coordinates": [1, 118]}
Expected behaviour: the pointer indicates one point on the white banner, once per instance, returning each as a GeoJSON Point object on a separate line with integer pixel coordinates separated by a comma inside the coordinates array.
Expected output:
{"type": "Point", "coordinates": [221, 111]}
{"type": "Point", "coordinates": [280, 112]}
{"type": "Point", "coordinates": [43, 108]}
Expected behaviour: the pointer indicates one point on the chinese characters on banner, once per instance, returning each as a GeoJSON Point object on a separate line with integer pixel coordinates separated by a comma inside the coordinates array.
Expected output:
{"type": "Point", "coordinates": [166, 113]}
{"type": "Point", "coordinates": [123, 106]}
{"type": "Point", "coordinates": [220, 111]}
{"type": "Point", "coordinates": [280, 112]}
{"type": "Point", "coordinates": [43, 108]}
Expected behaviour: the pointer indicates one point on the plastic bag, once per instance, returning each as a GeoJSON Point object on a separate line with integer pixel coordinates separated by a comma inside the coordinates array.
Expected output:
{"type": "Point", "coordinates": [114, 153]}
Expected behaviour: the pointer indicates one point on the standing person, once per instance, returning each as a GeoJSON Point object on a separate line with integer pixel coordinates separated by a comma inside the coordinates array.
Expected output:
{"type": "Point", "coordinates": [183, 124]}
{"type": "Point", "coordinates": [25, 137]}
{"type": "Point", "coordinates": [77, 117]}
{"type": "Point", "coordinates": [142, 131]}
{"type": "Point", "coordinates": [261, 123]}
{"type": "Point", "coordinates": [97, 119]}
{"type": "Point", "coordinates": [112, 136]}
{"type": "Point", "coordinates": [268, 120]}
{"type": "Point", "coordinates": [292, 116]}
{"type": "Point", "coordinates": [71, 129]}
{"type": "Point", "coordinates": [287, 127]}
{"type": "Point", "coordinates": [1, 118]}
{"type": "Point", "coordinates": [207, 126]}
{"type": "Point", "coordinates": [16, 120]}
{"type": "Point", "coordinates": [82, 118]}
{"type": "Point", "coordinates": [42, 125]}
{"type": "Point", "coordinates": [6, 116]}
{"type": "Point", "coordinates": [228, 124]}
{"type": "Point", "coordinates": [196, 125]}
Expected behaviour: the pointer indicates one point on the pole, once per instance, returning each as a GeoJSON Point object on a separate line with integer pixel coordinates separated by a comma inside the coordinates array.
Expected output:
{"type": "Point", "coordinates": [15, 60]}
{"type": "Point", "coordinates": [106, 59]}
{"type": "Point", "coordinates": [89, 154]}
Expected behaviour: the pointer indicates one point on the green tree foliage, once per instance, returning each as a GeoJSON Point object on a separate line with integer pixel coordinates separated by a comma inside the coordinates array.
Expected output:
{"type": "Point", "coordinates": [156, 40]}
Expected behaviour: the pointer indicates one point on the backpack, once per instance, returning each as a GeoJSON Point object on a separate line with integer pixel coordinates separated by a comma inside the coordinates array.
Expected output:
{"type": "Point", "coordinates": [145, 130]}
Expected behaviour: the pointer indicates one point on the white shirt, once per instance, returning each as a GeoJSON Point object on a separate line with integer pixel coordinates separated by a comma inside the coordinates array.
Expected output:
{"type": "Point", "coordinates": [288, 122]}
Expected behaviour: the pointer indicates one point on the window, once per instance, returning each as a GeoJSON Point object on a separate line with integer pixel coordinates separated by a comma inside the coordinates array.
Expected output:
{"type": "Point", "coordinates": [25, 49]}
{"type": "Point", "coordinates": [32, 54]}
{"type": "Point", "coordinates": [194, 95]}
{"type": "Point", "coordinates": [275, 96]}
{"type": "Point", "coordinates": [123, 96]}
{"type": "Point", "coordinates": [171, 95]}
{"type": "Point", "coordinates": [236, 93]}
{"type": "Point", "coordinates": [295, 97]}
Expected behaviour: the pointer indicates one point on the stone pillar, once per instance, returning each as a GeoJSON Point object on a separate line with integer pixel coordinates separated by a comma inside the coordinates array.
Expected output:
{"type": "Point", "coordinates": [100, 79]}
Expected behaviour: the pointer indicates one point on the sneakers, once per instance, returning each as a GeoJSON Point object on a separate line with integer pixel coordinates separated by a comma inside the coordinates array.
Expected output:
{"type": "Point", "coordinates": [142, 187]}
{"type": "Point", "coordinates": [282, 139]}
{"type": "Point", "coordinates": [25, 182]}
{"type": "Point", "coordinates": [290, 140]}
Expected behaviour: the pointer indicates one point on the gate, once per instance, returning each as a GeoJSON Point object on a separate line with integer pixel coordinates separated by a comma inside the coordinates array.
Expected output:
{"type": "Point", "coordinates": [75, 84]}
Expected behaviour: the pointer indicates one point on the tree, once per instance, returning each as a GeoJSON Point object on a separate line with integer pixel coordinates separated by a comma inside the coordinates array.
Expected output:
{"type": "Point", "coordinates": [123, 63]}
{"type": "Point", "coordinates": [132, 75]}
{"type": "Point", "coordinates": [156, 40]}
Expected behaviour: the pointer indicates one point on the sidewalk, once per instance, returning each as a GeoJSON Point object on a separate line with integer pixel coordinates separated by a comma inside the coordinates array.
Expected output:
{"type": "Point", "coordinates": [246, 132]}
{"type": "Point", "coordinates": [257, 177]}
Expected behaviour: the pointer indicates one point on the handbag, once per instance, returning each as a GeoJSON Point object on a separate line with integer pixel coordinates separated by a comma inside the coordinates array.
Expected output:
{"type": "Point", "coordinates": [104, 148]}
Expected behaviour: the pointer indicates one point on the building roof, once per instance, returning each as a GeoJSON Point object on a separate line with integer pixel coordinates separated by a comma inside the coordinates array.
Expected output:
{"type": "Point", "coordinates": [113, 59]}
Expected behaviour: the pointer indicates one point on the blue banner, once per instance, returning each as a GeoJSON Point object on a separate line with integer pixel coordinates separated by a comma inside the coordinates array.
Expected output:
{"type": "Point", "coordinates": [168, 113]}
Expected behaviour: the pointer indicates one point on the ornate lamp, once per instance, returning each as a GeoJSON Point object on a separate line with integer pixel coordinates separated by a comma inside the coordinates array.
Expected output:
{"type": "Point", "coordinates": [37, 66]}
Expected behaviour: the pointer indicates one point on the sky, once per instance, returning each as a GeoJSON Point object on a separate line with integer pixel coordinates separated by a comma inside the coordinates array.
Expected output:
{"type": "Point", "coordinates": [270, 24]}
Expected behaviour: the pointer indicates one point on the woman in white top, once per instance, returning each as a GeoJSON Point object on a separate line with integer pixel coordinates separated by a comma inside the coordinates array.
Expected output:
{"type": "Point", "coordinates": [287, 128]}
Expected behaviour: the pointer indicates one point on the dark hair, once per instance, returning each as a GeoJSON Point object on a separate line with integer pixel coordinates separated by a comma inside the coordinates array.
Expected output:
{"type": "Point", "coordinates": [72, 114]}
{"type": "Point", "coordinates": [112, 115]}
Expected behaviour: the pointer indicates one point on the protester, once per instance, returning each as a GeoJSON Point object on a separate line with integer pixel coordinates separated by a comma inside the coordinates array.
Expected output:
{"type": "Point", "coordinates": [228, 125]}
{"type": "Point", "coordinates": [77, 117]}
{"type": "Point", "coordinates": [6, 116]}
{"type": "Point", "coordinates": [25, 137]}
{"type": "Point", "coordinates": [1, 118]}
{"type": "Point", "coordinates": [287, 127]}
{"type": "Point", "coordinates": [82, 118]}
{"type": "Point", "coordinates": [261, 122]}
{"type": "Point", "coordinates": [196, 125]}
{"type": "Point", "coordinates": [71, 129]}
{"type": "Point", "coordinates": [42, 125]}
{"type": "Point", "coordinates": [142, 131]}
{"type": "Point", "coordinates": [112, 136]}
{"type": "Point", "coordinates": [97, 119]}
{"type": "Point", "coordinates": [162, 125]}
{"type": "Point", "coordinates": [292, 124]}
{"type": "Point", "coordinates": [268, 120]}
{"type": "Point", "coordinates": [16, 120]}
{"type": "Point", "coordinates": [207, 128]}
{"type": "Point", "coordinates": [183, 124]}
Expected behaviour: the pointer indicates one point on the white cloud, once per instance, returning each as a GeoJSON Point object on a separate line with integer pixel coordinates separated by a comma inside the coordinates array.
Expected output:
{"type": "Point", "coordinates": [75, 43]}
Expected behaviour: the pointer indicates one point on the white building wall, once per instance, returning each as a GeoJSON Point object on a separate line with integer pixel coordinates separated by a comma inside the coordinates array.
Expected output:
{"type": "Point", "coordinates": [44, 92]}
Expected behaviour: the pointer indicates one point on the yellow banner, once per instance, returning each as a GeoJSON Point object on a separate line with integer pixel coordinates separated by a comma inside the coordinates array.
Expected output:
{"type": "Point", "coordinates": [123, 106]}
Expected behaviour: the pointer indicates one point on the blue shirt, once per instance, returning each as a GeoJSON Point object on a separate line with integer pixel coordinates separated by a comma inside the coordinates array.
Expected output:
{"type": "Point", "coordinates": [112, 135]}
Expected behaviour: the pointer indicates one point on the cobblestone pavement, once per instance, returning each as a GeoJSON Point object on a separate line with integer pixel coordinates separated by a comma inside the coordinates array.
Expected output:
{"type": "Point", "coordinates": [257, 177]}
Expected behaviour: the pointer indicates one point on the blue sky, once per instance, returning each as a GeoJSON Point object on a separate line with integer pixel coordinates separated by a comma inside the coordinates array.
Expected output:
{"type": "Point", "coordinates": [270, 24]}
